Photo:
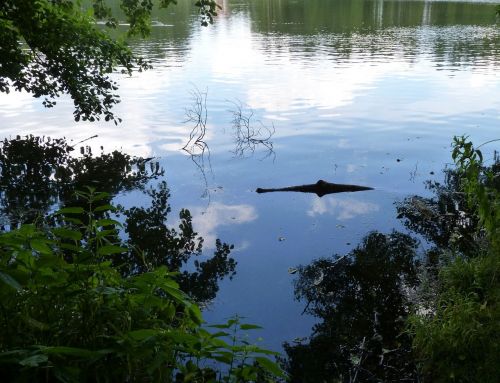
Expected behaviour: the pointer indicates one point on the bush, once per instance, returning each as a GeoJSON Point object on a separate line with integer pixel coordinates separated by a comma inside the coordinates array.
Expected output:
{"type": "Point", "coordinates": [459, 339]}
{"type": "Point", "coordinates": [68, 314]}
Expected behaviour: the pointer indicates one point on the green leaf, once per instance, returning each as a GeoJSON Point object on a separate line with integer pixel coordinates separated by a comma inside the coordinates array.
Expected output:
{"type": "Point", "coordinates": [227, 359]}
{"type": "Point", "coordinates": [143, 334]}
{"type": "Point", "coordinates": [221, 326]}
{"type": "Point", "coordinates": [270, 366]}
{"type": "Point", "coordinates": [71, 210]}
{"type": "Point", "coordinates": [250, 327]}
{"type": "Point", "coordinates": [34, 360]}
{"type": "Point", "coordinates": [220, 334]}
{"type": "Point", "coordinates": [175, 293]}
{"type": "Point", "coordinates": [36, 324]}
{"type": "Point", "coordinates": [108, 222]}
{"type": "Point", "coordinates": [182, 338]}
{"type": "Point", "coordinates": [111, 249]}
{"type": "Point", "coordinates": [71, 247]}
{"type": "Point", "coordinates": [99, 196]}
{"type": "Point", "coordinates": [9, 281]}
{"type": "Point", "coordinates": [195, 314]}
{"type": "Point", "coordinates": [40, 246]}
{"type": "Point", "coordinates": [62, 232]}
{"type": "Point", "coordinates": [105, 208]}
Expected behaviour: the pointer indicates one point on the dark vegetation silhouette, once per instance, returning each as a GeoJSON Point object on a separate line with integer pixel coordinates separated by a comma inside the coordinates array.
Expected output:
{"type": "Point", "coordinates": [361, 300]}
{"type": "Point", "coordinates": [394, 310]}
{"type": "Point", "coordinates": [38, 175]}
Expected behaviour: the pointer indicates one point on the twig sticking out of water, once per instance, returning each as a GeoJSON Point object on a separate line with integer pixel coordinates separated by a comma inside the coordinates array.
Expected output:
{"type": "Point", "coordinates": [196, 147]}
{"type": "Point", "coordinates": [198, 115]}
{"type": "Point", "coordinates": [414, 173]}
{"type": "Point", "coordinates": [249, 134]}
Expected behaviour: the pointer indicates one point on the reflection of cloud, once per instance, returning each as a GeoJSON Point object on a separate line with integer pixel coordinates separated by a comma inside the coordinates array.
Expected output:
{"type": "Point", "coordinates": [342, 209]}
{"type": "Point", "coordinates": [286, 85]}
{"type": "Point", "coordinates": [207, 221]}
{"type": "Point", "coordinates": [344, 143]}
{"type": "Point", "coordinates": [241, 246]}
{"type": "Point", "coordinates": [351, 168]}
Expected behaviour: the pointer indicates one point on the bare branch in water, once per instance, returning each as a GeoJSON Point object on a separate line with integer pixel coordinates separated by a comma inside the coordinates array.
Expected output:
{"type": "Point", "coordinates": [250, 134]}
{"type": "Point", "coordinates": [196, 146]}
{"type": "Point", "coordinates": [198, 115]}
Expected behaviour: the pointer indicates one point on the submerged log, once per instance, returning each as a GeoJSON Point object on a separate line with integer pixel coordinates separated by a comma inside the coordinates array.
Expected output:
{"type": "Point", "coordinates": [320, 188]}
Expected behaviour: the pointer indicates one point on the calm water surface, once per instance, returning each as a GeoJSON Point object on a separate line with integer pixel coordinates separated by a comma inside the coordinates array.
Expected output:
{"type": "Point", "coordinates": [364, 92]}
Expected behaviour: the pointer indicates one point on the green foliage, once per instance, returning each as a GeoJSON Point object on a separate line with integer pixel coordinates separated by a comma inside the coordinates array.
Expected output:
{"type": "Point", "coordinates": [458, 339]}
{"type": "Point", "coordinates": [481, 185]}
{"type": "Point", "coordinates": [231, 348]}
{"type": "Point", "coordinates": [52, 47]}
{"type": "Point", "coordinates": [67, 314]}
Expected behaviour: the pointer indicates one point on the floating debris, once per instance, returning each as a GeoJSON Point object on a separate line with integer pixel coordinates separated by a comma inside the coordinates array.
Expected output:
{"type": "Point", "coordinates": [321, 188]}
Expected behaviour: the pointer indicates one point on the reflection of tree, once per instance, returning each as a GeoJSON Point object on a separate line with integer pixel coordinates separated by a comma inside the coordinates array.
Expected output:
{"type": "Point", "coordinates": [363, 16]}
{"type": "Point", "coordinates": [346, 29]}
{"type": "Point", "coordinates": [445, 220]}
{"type": "Point", "coordinates": [147, 230]}
{"type": "Point", "coordinates": [361, 300]}
{"type": "Point", "coordinates": [38, 174]}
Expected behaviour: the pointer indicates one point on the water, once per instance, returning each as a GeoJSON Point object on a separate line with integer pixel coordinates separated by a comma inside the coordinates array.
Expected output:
{"type": "Point", "coordinates": [359, 92]}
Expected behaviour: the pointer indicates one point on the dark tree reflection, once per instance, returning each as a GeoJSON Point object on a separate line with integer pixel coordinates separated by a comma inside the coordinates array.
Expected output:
{"type": "Point", "coordinates": [445, 220]}
{"type": "Point", "coordinates": [160, 245]}
{"type": "Point", "coordinates": [37, 175]}
{"type": "Point", "coordinates": [362, 301]}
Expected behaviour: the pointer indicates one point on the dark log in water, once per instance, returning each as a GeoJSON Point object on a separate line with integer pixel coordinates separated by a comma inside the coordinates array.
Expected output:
{"type": "Point", "coordinates": [320, 188]}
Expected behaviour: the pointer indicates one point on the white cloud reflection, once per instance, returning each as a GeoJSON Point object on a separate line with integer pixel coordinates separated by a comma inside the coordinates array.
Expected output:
{"type": "Point", "coordinates": [342, 209]}
{"type": "Point", "coordinates": [207, 221]}
{"type": "Point", "coordinates": [284, 84]}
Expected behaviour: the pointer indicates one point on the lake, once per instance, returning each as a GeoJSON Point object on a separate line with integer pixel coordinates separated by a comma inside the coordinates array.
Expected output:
{"type": "Point", "coordinates": [354, 92]}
